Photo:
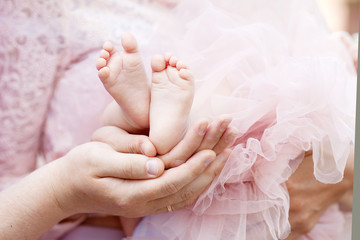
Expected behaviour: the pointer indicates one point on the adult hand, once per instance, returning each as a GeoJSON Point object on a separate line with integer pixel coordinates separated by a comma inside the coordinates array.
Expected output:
{"type": "Point", "coordinates": [95, 178]}
{"type": "Point", "coordinates": [103, 181]}
{"type": "Point", "coordinates": [90, 178]}
{"type": "Point", "coordinates": [216, 136]}
{"type": "Point", "coordinates": [309, 199]}
{"type": "Point", "coordinates": [202, 135]}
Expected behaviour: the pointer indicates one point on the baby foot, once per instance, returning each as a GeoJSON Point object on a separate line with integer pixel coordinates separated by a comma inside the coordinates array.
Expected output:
{"type": "Point", "coordinates": [123, 75]}
{"type": "Point", "coordinates": [172, 93]}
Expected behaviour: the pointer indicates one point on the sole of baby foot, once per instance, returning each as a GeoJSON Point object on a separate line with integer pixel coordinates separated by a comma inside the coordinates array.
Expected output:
{"type": "Point", "coordinates": [172, 93]}
{"type": "Point", "coordinates": [124, 77]}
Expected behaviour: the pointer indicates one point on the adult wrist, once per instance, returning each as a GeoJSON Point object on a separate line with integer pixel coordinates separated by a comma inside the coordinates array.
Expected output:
{"type": "Point", "coordinates": [60, 188]}
{"type": "Point", "coordinates": [29, 208]}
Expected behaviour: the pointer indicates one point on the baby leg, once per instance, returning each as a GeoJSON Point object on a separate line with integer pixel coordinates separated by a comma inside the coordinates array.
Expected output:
{"type": "Point", "coordinates": [123, 75]}
{"type": "Point", "coordinates": [172, 93]}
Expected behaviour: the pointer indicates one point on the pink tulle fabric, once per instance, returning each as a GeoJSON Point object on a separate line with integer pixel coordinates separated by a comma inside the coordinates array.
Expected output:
{"type": "Point", "coordinates": [272, 66]}
{"type": "Point", "coordinates": [289, 86]}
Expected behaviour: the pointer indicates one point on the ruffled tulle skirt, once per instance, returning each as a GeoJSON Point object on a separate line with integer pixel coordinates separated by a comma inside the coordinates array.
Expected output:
{"type": "Point", "coordinates": [289, 87]}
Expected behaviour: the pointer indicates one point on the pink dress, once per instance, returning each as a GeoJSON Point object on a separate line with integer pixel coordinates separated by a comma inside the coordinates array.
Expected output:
{"type": "Point", "coordinates": [289, 85]}
{"type": "Point", "coordinates": [273, 67]}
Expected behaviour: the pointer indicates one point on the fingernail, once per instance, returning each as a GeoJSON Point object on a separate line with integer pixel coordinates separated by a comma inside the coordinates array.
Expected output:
{"type": "Point", "coordinates": [231, 135]}
{"type": "Point", "coordinates": [152, 167]}
{"type": "Point", "coordinates": [208, 161]}
{"type": "Point", "coordinates": [224, 125]}
{"type": "Point", "coordinates": [202, 129]}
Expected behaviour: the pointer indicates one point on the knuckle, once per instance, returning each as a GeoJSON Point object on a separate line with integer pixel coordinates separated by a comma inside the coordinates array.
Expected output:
{"type": "Point", "coordinates": [184, 204]}
{"type": "Point", "coordinates": [171, 188]}
{"type": "Point", "coordinates": [189, 202]}
{"type": "Point", "coordinates": [187, 195]}
{"type": "Point", "coordinates": [125, 203]}
{"type": "Point", "coordinates": [128, 169]}
{"type": "Point", "coordinates": [120, 203]}
{"type": "Point", "coordinates": [180, 205]}
{"type": "Point", "coordinates": [85, 153]}
{"type": "Point", "coordinates": [134, 147]}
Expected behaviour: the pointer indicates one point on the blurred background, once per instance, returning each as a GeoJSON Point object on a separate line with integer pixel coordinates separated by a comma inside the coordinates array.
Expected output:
{"type": "Point", "coordinates": [341, 15]}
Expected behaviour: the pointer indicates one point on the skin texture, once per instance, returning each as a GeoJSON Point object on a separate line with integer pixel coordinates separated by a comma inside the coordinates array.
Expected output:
{"type": "Point", "coordinates": [93, 177]}
{"type": "Point", "coordinates": [203, 133]}
{"type": "Point", "coordinates": [172, 92]}
{"type": "Point", "coordinates": [123, 75]}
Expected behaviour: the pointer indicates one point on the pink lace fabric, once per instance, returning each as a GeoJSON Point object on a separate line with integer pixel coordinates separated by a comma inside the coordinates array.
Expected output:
{"type": "Point", "coordinates": [33, 56]}
{"type": "Point", "coordinates": [50, 96]}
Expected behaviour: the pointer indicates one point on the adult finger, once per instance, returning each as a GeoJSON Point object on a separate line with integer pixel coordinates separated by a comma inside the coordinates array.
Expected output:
{"type": "Point", "coordinates": [187, 195]}
{"type": "Point", "coordinates": [122, 141]}
{"type": "Point", "coordinates": [214, 133]}
{"type": "Point", "coordinates": [226, 140]}
{"type": "Point", "coordinates": [127, 166]}
{"type": "Point", "coordinates": [174, 179]}
{"type": "Point", "coordinates": [186, 147]}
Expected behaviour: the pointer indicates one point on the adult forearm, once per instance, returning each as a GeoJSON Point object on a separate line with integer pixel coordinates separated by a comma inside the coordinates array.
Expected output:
{"type": "Point", "coordinates": [29, 208]}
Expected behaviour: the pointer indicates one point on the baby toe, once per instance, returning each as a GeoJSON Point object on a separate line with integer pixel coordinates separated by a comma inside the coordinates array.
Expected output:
{"type": "Point", "coordinates": [108, 46]}
{"type": "Point", "coordinates": [186, 74]}
{"type": "Point", "coordinates": [167, 56]}
{"type": "Point", "coordinates": [104, 73]}
{"type": "Point", "coordinates": [104, 54]}
{"type": "Point", "coordinates": [173, 60]}
{"type": "Point", "coordinates": [100, 63]}
{"type": "Point", "coordinates": [180, 65]}
{"type": "Point", "coordinates": [129, 43]}
{"type": "Point", "coordinates": [158, 63]}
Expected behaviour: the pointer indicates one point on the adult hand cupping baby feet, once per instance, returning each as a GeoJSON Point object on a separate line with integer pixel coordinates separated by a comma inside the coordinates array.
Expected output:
{"type": "Point", "coordinates": [178, 186]}
{"type": "Point", "coordinates": [200, 134]}
{"type": "Point", "coordinates": [172, 94]}
{"type": "Point", "coordinates": [103, 181]}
